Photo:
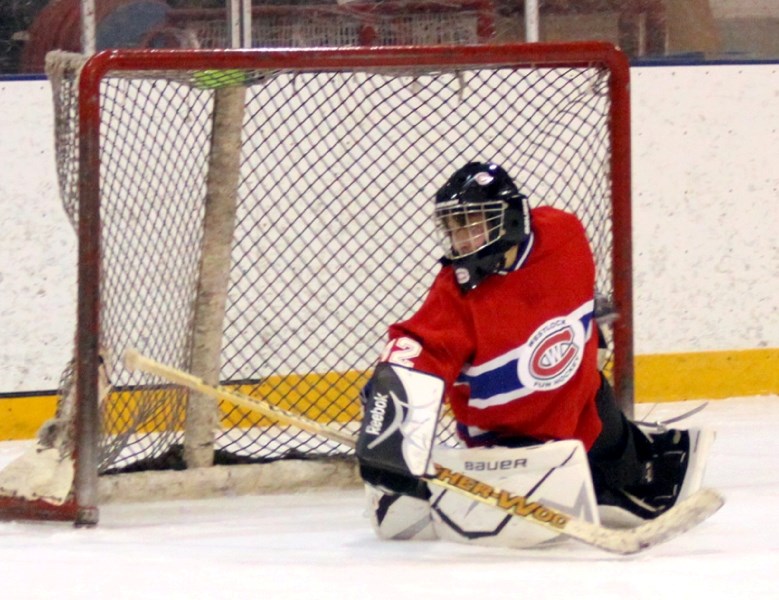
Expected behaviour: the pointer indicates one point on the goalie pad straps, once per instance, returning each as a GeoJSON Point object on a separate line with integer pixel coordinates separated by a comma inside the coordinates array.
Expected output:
{"type": "Point", "coordinates": [400, 417]}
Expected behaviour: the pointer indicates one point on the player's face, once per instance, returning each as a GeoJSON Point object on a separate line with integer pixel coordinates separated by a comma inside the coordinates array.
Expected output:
{"type": "Point", "coordinates": [468, 232]}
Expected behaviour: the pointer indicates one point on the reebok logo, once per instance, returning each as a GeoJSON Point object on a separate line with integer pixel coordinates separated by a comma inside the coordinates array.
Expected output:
{"type": "Point", "coordinates": [378, 412]}
{"type": "Point", "coordinates": [378, 415]}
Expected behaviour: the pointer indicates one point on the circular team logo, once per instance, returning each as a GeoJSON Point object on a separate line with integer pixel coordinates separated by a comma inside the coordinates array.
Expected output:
{"type": "Point", "coordinates": [552, 355]}
{"type": "Point", "coordinates": [462, 275]}
{"type": "Point", "coordinates": [483, 178]}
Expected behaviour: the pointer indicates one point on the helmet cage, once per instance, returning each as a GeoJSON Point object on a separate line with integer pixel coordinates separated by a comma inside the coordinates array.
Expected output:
{"type": "Point", "coordinates": [466, 228]}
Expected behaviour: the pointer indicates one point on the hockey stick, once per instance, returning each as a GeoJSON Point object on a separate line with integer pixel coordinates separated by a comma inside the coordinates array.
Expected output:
{"type": "Point", "coordinates": [675, 521]}
{"type": "Point", "coordinates": [661, 425]}
{"type": "Point", "coordinates": [133, 360]}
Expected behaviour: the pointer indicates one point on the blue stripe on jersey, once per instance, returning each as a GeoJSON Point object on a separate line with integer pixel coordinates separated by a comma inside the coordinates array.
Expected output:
{"type": "Point", "coordinates": [586, 322]}
{"type": "Point", "coordinates": [482, 438]}
{"type": "Point", "coordinates": [492, 383]}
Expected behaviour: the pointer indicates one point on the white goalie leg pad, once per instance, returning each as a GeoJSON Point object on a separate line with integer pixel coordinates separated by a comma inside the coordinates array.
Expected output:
{"type": "Point", "coordinates": [556, 474]}
{"type": "Point", "coordinates": [396, 517]}
{"type": "Point", "coordinates": [700, 447]}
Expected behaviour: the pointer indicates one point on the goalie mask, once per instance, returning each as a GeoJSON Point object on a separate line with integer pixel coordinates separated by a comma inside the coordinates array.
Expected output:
{"type": "Point", "coordinates": [481, 214]}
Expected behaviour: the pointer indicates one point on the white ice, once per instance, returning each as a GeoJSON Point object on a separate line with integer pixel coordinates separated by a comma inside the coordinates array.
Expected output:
{"type": "Point", "coordinates": [319, 545]}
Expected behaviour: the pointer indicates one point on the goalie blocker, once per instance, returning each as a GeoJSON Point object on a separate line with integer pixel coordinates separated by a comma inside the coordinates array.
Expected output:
{"type": "Point", "coordinates": [401, 408]}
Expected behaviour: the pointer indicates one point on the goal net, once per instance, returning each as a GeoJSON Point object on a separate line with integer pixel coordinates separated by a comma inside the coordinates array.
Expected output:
{"type": "Point", "coordinates": [259, 217]}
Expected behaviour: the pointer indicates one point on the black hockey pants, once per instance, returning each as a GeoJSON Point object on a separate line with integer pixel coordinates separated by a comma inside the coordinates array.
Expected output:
{"type": "Point", "coordinates": [618, 456]}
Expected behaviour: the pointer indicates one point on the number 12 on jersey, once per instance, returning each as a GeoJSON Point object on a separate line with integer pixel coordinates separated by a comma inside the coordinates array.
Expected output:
{"type": "Point", "coordinates": [401, 351]}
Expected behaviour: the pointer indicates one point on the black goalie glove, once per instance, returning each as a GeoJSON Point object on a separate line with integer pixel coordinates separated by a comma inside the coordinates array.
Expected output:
{"type": "Point", "coordinates": [401, 407]}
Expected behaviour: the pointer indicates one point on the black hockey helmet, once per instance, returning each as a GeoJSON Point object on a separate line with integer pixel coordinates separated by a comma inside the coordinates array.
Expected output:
{"type": "Point", "coordinates": [481, 214]}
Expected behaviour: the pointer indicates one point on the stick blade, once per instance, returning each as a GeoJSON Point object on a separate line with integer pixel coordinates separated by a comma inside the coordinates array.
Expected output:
{"type": "Point", "coordinates": [682, 517]}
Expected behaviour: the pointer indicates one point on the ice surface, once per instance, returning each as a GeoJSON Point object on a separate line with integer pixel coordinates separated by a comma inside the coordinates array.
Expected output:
{"type": "Point", "coordinates": [319, 545]}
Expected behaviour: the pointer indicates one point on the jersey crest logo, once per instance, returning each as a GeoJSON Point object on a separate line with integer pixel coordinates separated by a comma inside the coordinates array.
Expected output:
{"type": "Point", "coordinates": [462, 275]}
{"type": "Point", "coordinates": [552, 355]}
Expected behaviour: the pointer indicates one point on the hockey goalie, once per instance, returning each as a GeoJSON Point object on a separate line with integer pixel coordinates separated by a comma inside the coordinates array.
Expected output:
{"type": "Point", "coordinates": [508, 336]}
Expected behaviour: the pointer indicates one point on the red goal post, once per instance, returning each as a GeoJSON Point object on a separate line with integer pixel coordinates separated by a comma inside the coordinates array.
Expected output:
{"type": "Point", "coordinates": [258, 217]}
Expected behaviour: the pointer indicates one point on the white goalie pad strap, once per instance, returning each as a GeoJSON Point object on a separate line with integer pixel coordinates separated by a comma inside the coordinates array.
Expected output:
{"type": "Point", "coordinates": [400, 419]}
{"type": "Point", "coordinates": [556, 474]}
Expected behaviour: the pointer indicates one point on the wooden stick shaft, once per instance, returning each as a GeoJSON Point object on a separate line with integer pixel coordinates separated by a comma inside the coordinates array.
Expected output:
{"type": "Point", "coordinates": [134, 360]}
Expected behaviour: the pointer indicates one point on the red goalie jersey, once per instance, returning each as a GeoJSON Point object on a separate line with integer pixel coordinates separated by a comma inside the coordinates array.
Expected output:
{"type": "Point", "coordinates": [518, 353]}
